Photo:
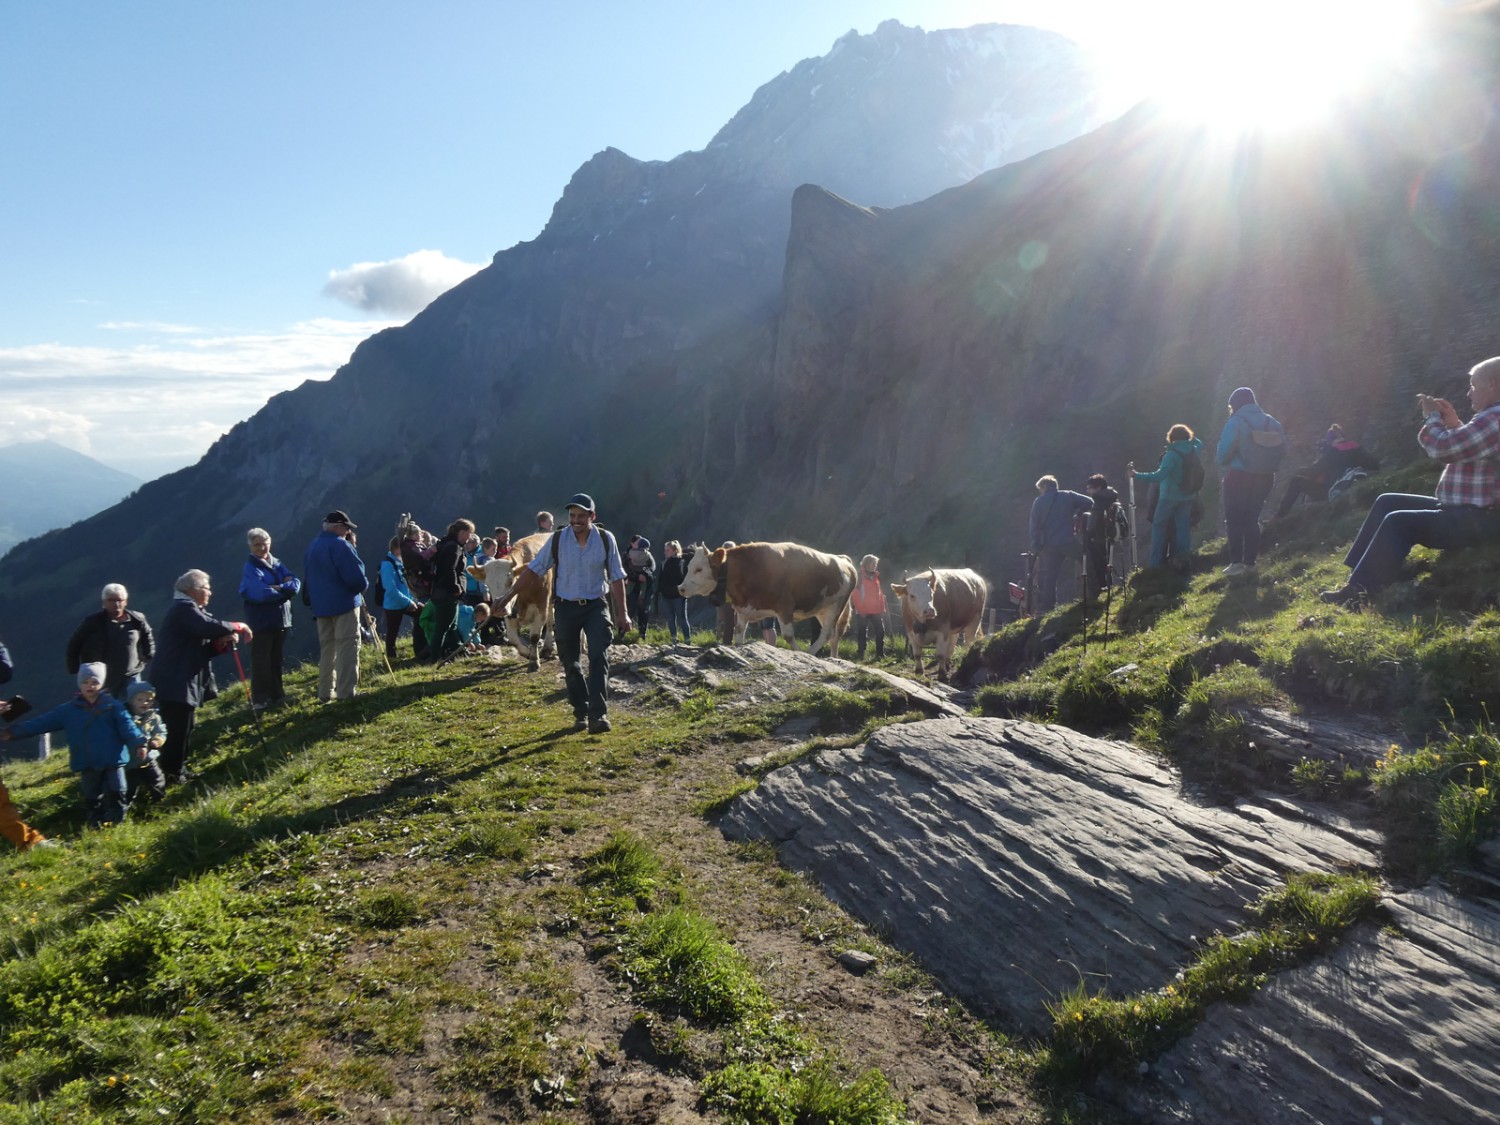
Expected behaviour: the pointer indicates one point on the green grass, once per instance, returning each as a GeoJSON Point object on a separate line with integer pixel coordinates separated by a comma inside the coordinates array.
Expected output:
{"type": "Point", "coordinates": [1095, 1034]}
{"type": "Point", "coordinates": [679, 963]}
{"type": "Point", "coordinates": [283, 940]}
{"type": "Point", "coordinates": [1189, 653]}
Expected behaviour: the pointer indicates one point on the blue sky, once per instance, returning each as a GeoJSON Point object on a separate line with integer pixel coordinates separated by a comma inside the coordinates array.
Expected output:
{"type": "Point", "coordinates": [189, 188]}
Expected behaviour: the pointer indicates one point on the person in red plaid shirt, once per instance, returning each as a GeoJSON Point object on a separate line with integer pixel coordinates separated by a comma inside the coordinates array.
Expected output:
{"type": "Point", "coordinates": [1465, 512]}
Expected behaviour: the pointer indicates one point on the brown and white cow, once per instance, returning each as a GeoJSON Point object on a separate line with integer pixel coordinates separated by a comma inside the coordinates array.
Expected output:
{"type": "Point", "coordinates": [532, 608]}
{"type": "Point", "coordinates": [783, 580]}
{"type": "Point", "coordinates": [936, 606]}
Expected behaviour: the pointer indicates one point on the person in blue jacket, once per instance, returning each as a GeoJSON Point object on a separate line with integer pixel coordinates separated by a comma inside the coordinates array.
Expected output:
{"type": "Point", "coordinates": [336, 584]}
{"type": "Point", "coordinates": [268, 588]}
{"type": "Point", "coordinates": [1247, 483]}
{"type": "Point", "coordinates": [102, 738]}
{"type": "Point", "coordinates": [1053, 539]}
{"type": "Point", "coordinates": [398, 602]}
{"type": "Point", "coordinates": [1174, 505]}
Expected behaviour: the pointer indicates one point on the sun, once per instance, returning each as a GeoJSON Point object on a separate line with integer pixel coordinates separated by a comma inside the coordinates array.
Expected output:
{"type": "Point", "coordinates": [1269, 65]}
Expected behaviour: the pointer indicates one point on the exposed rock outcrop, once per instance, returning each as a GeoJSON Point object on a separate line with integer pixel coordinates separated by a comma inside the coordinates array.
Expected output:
{"type": "Point", "coordinates": [1398, 1024]}
{"type": "Point", "coordinates": [1018, 860]}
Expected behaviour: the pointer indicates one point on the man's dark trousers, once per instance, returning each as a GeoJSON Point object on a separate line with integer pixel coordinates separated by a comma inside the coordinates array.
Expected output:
{"type": "Point", "coordinates": [1399, 521]}
{"type": "Point", "coordinates": [572, 622]}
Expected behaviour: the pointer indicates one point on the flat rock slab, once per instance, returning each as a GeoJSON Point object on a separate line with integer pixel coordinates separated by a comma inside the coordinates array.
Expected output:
{"type": "Point", "coordinates": [1397, 1025]}
{"type": "Point", "coordinates": [1016, 859]}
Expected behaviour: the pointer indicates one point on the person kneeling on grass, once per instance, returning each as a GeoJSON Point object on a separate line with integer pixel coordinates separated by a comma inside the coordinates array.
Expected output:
{"type": "Point", "coordinates": [102, 738]}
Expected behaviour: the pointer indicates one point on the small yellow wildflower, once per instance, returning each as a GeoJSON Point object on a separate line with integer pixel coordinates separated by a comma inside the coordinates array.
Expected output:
{"type": "Point", "coordinates": [1482, 791]}
{"type": "Point", "coordinates": [1078, 1016]}
{"type": "Point", "coordinates": [111, 1079]}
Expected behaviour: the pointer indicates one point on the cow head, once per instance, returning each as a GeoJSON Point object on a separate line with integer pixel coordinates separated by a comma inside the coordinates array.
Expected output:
{"type": "Point", "coordinates": [497, 575]}
{"type": "Point", "coordinates": [702, 573]}
{"type": "Point", "coordinates": [918, 595]}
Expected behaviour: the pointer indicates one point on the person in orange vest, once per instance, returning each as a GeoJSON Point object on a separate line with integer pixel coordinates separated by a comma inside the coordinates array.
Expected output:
{"type": "Point", "coordinates": [869, 607]}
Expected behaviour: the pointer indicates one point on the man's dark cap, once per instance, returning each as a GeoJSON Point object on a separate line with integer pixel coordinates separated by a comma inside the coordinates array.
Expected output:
{"type": "Point", "coordinates": [581, 500]}
{"type": "Point", "coordinates": [336, 516]}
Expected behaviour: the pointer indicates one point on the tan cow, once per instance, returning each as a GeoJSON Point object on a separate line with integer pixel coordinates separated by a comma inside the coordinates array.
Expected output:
{"type": "Point", "coordinates": [532, 610]}
{"type": "Point", "coordinates": [782, 580]}
{"type": "Point", "coordinates": [936, 606]}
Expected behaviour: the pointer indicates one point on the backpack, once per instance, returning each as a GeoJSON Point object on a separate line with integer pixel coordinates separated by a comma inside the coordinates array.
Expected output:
{"type": "Point", "coordinates": [1346, 482]}
{"type": "Point", "coordinates": [1116, 526]}
{"type": "Point", "coordinates": [1265, 447]}
{"type": "Point", "coordinates": [375, 595]}
{"type": "Point", "coordinates": [1191, 481]}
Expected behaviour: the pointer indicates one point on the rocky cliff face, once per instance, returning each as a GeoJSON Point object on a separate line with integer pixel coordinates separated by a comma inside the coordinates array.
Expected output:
{"type": "Point", "coordinates": [619, 351]}
{"type": "Point", "coordinates": [1058, 314]}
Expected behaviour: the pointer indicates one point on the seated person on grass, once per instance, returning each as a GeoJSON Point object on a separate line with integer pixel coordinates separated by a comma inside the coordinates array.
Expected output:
{"type": "Point", "coordinates": [1465, 512]}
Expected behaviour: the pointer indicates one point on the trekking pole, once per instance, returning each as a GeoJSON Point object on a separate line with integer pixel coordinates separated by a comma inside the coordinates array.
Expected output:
{"type": "Point", "coordinates": [1084, 578]}
{"type": "Point", "coordinates": [379, 643]}
{"type": "Point", "coordinates": [1135, 527]}
{"type": "Point", "coordinates": [254, 714]}
{"type": "Point", "coordinates": [1109, 594]}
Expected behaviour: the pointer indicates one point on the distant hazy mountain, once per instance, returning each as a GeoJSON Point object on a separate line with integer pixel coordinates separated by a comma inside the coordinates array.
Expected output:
{"type": "Point", "coordinates": [44, 486]}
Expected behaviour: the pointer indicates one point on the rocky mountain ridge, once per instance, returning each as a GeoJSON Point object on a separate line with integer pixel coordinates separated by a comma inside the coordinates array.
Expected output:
{"type": "Point", "coordinates": [537, 376]}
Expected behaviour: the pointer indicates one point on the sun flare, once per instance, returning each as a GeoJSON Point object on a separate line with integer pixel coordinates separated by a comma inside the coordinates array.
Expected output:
{"type": "Point", "coordinates": [1279, 63]}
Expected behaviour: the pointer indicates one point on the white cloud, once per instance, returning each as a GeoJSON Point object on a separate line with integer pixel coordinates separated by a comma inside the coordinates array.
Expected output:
{"type": "Point", "coordinates": [148, 326]}
{"type": "Point", "coordinates": [154, 407]}
{"type": "Point", "coordinates": [400, 287]}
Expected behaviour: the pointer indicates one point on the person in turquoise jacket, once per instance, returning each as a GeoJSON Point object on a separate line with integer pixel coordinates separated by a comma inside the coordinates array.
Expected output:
{"type": "Point", "coordinates": [102, 738]}
{"type": "Point", "coordinates": [1174, 505]}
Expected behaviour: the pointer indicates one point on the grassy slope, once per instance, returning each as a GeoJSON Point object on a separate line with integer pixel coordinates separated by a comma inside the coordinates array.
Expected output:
{"type": "Point", "coordinates": [1423, 661]}
{"type": "Point", "coordinates": [389, 909]}
{"type": "Point", "coordinates": [394, 908]}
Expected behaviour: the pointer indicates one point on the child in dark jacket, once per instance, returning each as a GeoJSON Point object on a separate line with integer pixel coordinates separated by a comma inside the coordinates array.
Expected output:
{"type": "Point", "coordinates": [147, 776]}
{"type": "Point", "coordinates": [102, 737]}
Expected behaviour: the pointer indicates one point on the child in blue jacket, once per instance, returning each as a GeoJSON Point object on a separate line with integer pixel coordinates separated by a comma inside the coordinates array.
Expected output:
{"type": "Point", "coordinates": [101, 740]}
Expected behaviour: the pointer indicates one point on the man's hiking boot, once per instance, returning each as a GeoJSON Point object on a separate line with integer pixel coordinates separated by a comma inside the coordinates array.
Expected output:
{"type": "Point", "coordinates": [1346, 596]}
{"type": "Point", "coordinates": [599, 725]}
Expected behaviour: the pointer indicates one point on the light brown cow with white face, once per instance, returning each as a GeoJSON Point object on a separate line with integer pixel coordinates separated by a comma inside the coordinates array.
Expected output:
{"type": "Point", "coordinates": [783, 580]}
{"type": "Point", "coordinates": [532, 609]}
{"type": "Point", "coordinates": [936, 606]}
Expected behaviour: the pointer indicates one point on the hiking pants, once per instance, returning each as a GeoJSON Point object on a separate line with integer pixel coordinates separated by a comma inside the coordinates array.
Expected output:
{"type": "Point", "coordinates": [1398, 522]}
{"type": "Point", "coordinates": [573, 623]}
{"type": "Point", "coordinates": [1244, 496]}
{"type": "Point", "coordinates": [674, 611]}
{"type": "Point", "coordinates": [869, 624]}
{"type": "Point", "coordinates": [338, 656]}
{"type": "Point", "coordinates": [12, 827]}
{"type": "Point", "coordinates": [103, 794]}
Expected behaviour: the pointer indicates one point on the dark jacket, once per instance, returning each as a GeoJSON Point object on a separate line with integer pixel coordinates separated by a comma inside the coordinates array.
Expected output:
{"type": "Point", "coordinates": [6, 670]}
{"type": "Point", "coordinates": [334, 575]}
{"type": "Point", "coordinates": [1339, 458]}
{"type": "Point", "coordinates": [123, 647]}
{"type": "Point", "coordinates": [185, 645]}
{"type": "Point", "coordinates": [448, 569]}
{"type": "Point", "coordinates": [673, 571]}
{"type": "Point", "coordinates": [268, 588]}
{"type": "Point", "coordinates": [1052, 514]}
{"type": "Point", "coordinates": [1097, 528]}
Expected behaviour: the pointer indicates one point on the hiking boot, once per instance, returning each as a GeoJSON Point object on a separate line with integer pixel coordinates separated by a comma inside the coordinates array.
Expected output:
{"type": "Point", "coordinates": [580, 722]}
{"type": "Point", "coordinates": [1345, 596]}
{"type": "Point", "coordinates": [599, 725]}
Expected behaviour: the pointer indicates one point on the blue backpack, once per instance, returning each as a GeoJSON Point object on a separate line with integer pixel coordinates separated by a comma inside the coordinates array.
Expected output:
{"type": "Point", "coordinates": [1262, 446]}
